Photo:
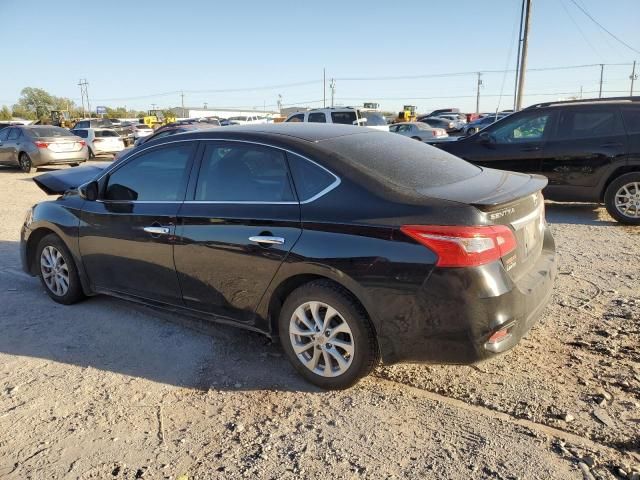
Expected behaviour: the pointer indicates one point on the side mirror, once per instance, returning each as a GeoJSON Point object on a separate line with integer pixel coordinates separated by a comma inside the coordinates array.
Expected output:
{"type": "Point", "coordinates": [485, 138]}
{"type": "Point", "coordinates": [89, 191]}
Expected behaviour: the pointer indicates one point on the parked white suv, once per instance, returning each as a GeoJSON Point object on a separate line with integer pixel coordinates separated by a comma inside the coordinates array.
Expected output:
{"type": "Point", "coordinates": [342, 115]}
{"type": "Point", "coordinates": [249, 119]}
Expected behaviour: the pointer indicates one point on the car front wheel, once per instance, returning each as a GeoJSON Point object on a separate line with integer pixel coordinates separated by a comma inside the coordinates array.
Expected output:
{"type": "Point", "coordinates": [57, 270]}
{"type": "Point", "coordinates": [327, 335]}
{"type": "Point", "coordinates": [622, 198]}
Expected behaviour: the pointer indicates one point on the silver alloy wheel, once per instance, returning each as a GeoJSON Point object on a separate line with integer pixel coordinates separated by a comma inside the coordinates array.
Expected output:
{"type": "Point", "coordinates": [25, 162]}
{"type": "Point", "coordinates": [55, 271]}
{"type": "Point", "coordinates": [322, 339]}
{"type": "Point", "coordinates": [627, 200]}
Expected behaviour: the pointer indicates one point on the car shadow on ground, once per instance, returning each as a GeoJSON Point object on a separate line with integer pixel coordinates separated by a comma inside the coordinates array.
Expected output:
{"type": "Point", "coordinates": [578, 214]}
{"type": "Point", "coordinates": [136, 341]}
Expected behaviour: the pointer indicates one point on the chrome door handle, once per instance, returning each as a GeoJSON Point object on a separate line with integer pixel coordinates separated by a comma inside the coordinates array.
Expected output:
{"type": "Point", "coordinates": [267, 239]}
{"type": "Point", "coordinates": [157, 230]}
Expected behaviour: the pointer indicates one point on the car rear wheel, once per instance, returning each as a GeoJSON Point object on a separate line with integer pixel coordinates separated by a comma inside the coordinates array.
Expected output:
{"type": "Point", "coordinates": [417, 138]}
{"type": "Point", "coordinates": [327, 335]}
{"type": "Point", "coordinates": [57, 270]}
{"type": "Point", "coordinates": [25, 163]}
{"type": "Point", "coordinates": [622, 198]}
{"type": "Point", "coordinates": [91, 154]}
{"type": "Point", "coordinates": [471, 131]}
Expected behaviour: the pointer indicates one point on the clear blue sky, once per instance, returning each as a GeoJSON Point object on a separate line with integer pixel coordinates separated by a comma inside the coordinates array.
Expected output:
{"type": "Point", "coordinates": [132, 49]}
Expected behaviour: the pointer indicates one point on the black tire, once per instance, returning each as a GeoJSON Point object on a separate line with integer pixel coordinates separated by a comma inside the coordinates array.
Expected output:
{"type": "Point", "coordinates": [362, 336]}
{"type": "Point", "coordinates": [25, 163]}
{"type": "Point", "coordinates": [417, 138]}
{"type": "Point", "coordinates": [632, 181]}
{"type": "Point", "coordinates": [471, 131]}
{"type": "Point", "coordinates": [74, 164]}
{"type": "Point", "coordinates": [74, 291]}
{"type": "Point", "coordinates": [91, 154]}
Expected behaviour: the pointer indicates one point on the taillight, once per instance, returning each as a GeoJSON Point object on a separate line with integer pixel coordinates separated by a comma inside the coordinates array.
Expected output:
{"type": "Point", "coordinates": [82, 143]}
{"type": "Point", "coordinates": [42, 144]}
{"type": "Point", "coordinates": [459, 246]}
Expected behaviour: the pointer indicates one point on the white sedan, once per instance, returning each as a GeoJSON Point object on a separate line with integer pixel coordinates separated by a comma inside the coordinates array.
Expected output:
{"type": "Point", "coordinates": [100, 141]}
{"type": "Point", "coordinates": [142, 130]}
{"type": "Point", "coordinates": [419, 131]}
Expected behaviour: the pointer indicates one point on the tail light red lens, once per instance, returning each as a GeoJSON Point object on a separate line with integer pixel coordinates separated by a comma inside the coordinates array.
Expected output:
{"type": "Point", "coordinates": [82, 143]}
{"type": "Point", "coordinates": [460, 246]}
{"type": "Point", "coordinates": [42, 144]}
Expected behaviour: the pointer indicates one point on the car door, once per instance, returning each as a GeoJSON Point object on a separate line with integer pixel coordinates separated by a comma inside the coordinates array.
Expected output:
{"type": "Point", "coordinates": [4, 149]}
{"type": "Point", "coordinates": [588, 140]}
{"type": "Point", "coordinates": [517, 144]}
{"type": "Point", "coordinates": [12, 145]}
{"type": "Point", "coordinates": [237, 226]}
{"type": "Point", "coordinates": [127, 236]}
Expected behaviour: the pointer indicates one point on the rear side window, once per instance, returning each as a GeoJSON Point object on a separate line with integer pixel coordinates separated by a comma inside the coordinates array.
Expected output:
{"type": "Point", "coordinates": [84, 124]}
{"type": "Point", "coordinates": [243, 173]}
{"type": "Point", "coordinates": [345, 118]}
{"type": "Point", "coordinates": [310, 179]}
{"type": "Point", "coordinates": [14, 133]}
{"type": "Point", "coordinates": [589, 124]}
{"type": "Point", "coordinates": [158, 175]}
{"type": "Point", "coordinates": [81, 133]}
{"type": "Point", "coordinates": [317, 117]}
{"type": "Point", "coordinates": [631, 119]}
{"type": "Point", "coordinates": [297, 118]}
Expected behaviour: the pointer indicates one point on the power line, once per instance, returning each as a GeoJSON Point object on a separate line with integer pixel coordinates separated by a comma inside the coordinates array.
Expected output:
{"type": "Point", "coordinates": [582, 34]}
{"type": "Point", "coordinates": [603, 28]}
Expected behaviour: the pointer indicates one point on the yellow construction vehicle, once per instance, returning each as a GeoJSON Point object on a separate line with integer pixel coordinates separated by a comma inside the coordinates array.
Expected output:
{"type": "Point", "coordinates": [60, 118]}
{"type": "Point", "coordinates": [156, 118]}
{"type": "Point", "coordinates": [408, 114]}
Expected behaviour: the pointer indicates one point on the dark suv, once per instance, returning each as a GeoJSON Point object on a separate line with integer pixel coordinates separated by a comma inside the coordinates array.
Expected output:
{"type": "Point", "coordinates": [588, 149]}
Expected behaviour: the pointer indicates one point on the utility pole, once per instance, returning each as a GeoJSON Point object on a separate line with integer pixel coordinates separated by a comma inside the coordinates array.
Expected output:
{"type": "Point", "coordinates": [523, 59]}
{"type": "Point", "coordinates": [182, 102]}
{"type": "Point", "coordinates": [601, 77]}
{"type": "Point", "coordinates": [332, 86]}
{"type": "Point", "coordinates": [478, 92]}
{"type": "Point", "coordinates": [324, 87]}
{"type": "Point", "coordinates": [580, 92]}
{"type": "Point", "coordinates": [279, 102]}
{"type": "Point", "coordinates": [84, 94]}
{"type": "Point", "coordinates": [205, 105]}
{"type": "Point", "coordinates": [153, 106]}
{"type": "Point", "coordinates": [515, 87]}
{"type": "Point", "coordinates": [633, 77]}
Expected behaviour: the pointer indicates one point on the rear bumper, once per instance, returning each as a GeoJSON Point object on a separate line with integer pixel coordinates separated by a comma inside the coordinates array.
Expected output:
{"type": "Point", "coordinates": [457, 310]}
{"type": "Point", "coordinates": [46, 157]}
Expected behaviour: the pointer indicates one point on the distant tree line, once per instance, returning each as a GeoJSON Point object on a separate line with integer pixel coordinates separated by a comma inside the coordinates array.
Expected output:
{"type": "Point", "coordinates": [36, 104]}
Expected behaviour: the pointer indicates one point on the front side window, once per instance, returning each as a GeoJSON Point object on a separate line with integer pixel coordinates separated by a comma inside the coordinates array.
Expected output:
{"type": "Point", "coordinates": [297, 118]}
{"type": "Point", "coordinates": [525, 128]}
{"type": "Point", "coordinates": [345, 118]}
{"type": "Point", "coordinates": [243, 173]}
{"type": "Point", "coordinates": [589, 124]}
{"type": "Point", "coordinates": [317, 117]}
{"type": "Point", "coordinates": [158, 175]}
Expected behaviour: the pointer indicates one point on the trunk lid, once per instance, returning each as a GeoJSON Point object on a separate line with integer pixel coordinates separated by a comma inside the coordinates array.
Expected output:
{"type": "Point", "coordinates": [505, 198]}
{"type": "Point", "coordinates": [62, 144]}
{"type": "Point", "coordinates": [58, 182]}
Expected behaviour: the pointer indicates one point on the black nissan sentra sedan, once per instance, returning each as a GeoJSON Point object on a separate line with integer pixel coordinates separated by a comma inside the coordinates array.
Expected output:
{"type": "Point", "coordinates": [350, 245]}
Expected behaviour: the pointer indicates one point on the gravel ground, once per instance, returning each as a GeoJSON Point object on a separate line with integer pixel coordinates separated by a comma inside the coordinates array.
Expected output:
{"type": "Point", "coordinates": [106, 389]}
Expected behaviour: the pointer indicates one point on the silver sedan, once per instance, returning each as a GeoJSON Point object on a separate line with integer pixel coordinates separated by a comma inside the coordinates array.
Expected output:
{"type": "Point", "coordinates": [419, 131]}
{"type": "Point", "coordinates": [29, 147]}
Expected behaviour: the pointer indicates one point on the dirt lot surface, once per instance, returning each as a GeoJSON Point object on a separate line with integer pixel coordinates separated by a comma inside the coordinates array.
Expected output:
{"type": "Point", "coordinates": [108, 390]}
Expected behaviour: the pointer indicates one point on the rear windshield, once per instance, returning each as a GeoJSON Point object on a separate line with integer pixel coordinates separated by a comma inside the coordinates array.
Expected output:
{"type": "Point", "coordinates": [106, 133]}
{"type": "Point", "coordinates": [103, 122]}
{"type": "Point", "coordinates": [49, 132]}
{"type": "Point", "coordinates": [401, 161]}
{"type": "Point", "coordinates": [346, 118]}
